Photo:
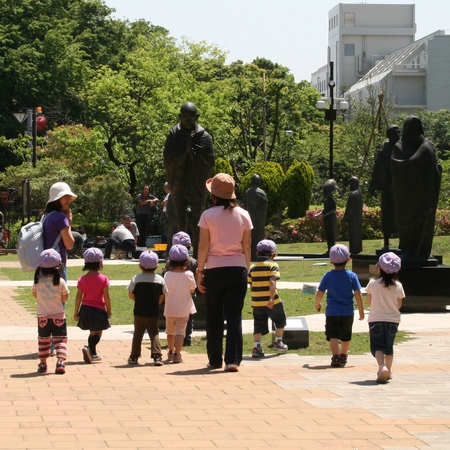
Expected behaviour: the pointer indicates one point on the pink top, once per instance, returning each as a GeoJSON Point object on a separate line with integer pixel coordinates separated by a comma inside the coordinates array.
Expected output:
{"type": "Point", "coordinates": [178, 299]}
{"type": "Point", "coordinates": [92, 286]}
{"type": "Point", "coordinates": [226, 230]}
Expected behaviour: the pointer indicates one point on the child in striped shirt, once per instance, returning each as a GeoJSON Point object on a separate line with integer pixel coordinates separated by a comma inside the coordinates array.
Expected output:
{"type": "Point", "coordinates": [266, 303]}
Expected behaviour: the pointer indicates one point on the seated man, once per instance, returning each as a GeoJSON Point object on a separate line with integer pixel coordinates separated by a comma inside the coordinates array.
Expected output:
{"type": "Point", "coordinates": [121, 238]}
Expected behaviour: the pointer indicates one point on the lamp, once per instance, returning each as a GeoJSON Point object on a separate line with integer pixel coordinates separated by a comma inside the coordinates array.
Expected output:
{"type": "Point", "coordinates": [330, 113]}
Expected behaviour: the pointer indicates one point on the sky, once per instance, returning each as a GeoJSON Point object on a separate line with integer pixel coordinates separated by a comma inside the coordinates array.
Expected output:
{"type": "Point", "coordinates": [293, 33]}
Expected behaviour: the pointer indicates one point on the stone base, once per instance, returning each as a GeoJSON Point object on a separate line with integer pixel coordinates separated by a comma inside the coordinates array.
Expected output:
{"type": "Point", "coordinates": [427, 288]}
{"type": "Point", "coordinates": [296, 333]}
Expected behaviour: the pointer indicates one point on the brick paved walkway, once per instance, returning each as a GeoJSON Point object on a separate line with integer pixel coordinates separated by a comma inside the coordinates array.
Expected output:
{"type": "Point", "coordinates": [286, 401]}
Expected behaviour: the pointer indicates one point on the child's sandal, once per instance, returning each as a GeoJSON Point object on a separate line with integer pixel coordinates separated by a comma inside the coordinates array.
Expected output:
{"type": "Point", "coordinates": [42, 367]}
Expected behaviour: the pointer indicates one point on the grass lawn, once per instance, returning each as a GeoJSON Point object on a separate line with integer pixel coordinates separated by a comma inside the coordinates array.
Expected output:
{"type": "Point", "coordinates": [295, 303]}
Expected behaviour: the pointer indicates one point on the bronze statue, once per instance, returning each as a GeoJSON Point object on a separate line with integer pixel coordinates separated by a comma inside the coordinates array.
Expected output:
{"type": "Point", "coordinates": [329, 213]}
{"type": "Point", "coordinates": [416, 179]}
{"type": "Point", "coordinates": [255, 203]}
{"type": "Point", "coordinates": [382, 181]}
{"type": "Point", "coordinates": [353, 215]}
{"type": "Point", "coordinates": [188, 160]}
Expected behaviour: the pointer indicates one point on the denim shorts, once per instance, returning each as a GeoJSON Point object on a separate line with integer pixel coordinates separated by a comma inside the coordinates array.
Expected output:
{"type": "Point", "coordinates": [261, 315]}
{"type": "Point", "coordinates": [339, 327]}
{"type": "Point", "coordinates": [382, 336]}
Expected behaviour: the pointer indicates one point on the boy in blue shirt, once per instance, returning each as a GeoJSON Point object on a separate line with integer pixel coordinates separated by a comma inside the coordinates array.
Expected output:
{"type": "Point", "coordinates": [340, 285]}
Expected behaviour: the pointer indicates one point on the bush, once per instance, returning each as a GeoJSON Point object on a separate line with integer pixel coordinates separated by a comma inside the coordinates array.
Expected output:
{"type": "Point", "coordinates": [297, 189]}
{"type": "Point", "coordinates": [310, 228]}
{"type": "Point", "coordinates": [222, 166]}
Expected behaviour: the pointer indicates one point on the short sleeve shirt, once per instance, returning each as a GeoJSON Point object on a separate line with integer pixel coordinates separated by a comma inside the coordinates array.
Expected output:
{"type": "Point", "coordinates": [92, 286]}
{"type": "Point", "coordinates": [339, 286]}
{"type": "Point", "coordinates": [53, 225]}
{"type": "Point", "coordinates": [147, 288]}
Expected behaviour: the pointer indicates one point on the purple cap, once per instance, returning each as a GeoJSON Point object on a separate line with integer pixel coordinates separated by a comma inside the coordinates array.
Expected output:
{"type": "Point", "coordinates": [93, 255]}
{"type": "Point", "coordinates": [266, 245]}
{"type": "Point", "coordinates": [49, 258]}
{"type": "Point", "coordinates": [339, 254]}
{"type": "Point", "coordinates": [178, 253]}
{"type": "Point", "coordinates": [390, 262]}
{"type": "Point", "coordinates": [181, 238]}
{"type": "Point", "coordinates": [148, 260]}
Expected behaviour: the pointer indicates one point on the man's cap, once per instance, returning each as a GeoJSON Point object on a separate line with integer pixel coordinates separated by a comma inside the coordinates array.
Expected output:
{"type": "Point", "coordinates": [178, 253]}
{"type": "Point", "coordinates": [49, 259]}
{"type": "Point", "coordinates": [221, 185]}
{"type": "Point", "coordinates": [181, 238]}
{"type": "Point", "coordinates": [390, 262]}
{"type": "Point", "coordinates": [266, 245]}
{"type": "Point", "coordinates": [93, 255]}
{"type": "Point", "coordinates": [148, 260]}
{"type": "Point", "coordinates": [339, 254]}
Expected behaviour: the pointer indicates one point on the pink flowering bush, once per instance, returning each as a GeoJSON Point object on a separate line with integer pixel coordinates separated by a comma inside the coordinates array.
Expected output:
{"type": "Point", "coordinates": [310, 228]}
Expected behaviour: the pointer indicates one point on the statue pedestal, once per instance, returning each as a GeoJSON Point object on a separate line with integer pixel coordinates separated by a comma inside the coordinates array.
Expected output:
{"type": "Point", "coordinates": [427, 288]}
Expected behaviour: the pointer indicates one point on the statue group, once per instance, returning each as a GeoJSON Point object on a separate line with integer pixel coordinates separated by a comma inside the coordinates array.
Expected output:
{"type": "Point", "coordinates": [408, 174]}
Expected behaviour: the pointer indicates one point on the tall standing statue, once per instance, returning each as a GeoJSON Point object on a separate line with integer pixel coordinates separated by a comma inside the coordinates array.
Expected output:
{"type": "Point", "coordinates": [416, 179]}
{"type": "Point", "coordinates": [353, 215]}
{"type": "Point", "coordinates": [382, 181]}
{"type": "Point", "coordinates": [329, 213]}
{"type": "Point", "coordinates": [188, 160]}
{"type": "Point", "coordinates": [255, 203]}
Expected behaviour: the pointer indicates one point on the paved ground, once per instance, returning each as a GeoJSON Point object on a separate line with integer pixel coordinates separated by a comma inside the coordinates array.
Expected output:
{"type": "Point", "coordinates": [285, 401]}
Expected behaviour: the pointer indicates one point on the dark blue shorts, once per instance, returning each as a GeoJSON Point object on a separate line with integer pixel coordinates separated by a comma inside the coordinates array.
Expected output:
{"type": "Point", "coordinates": [382, 336]}
{"type": "Point", "coordinates": [339, 327]}
{"type": "Point", "coordinates": [261, 315]}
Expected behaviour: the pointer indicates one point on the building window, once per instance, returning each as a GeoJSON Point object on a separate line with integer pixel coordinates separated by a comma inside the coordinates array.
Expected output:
{"type": "Point", "coordinates": [349, 49]}
{"type": "Point", "coordinates": [349, 19]}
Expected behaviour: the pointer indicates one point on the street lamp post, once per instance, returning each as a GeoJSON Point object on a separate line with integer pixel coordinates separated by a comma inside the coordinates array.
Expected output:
{"type": "Point", "coordinates": [31, 115]}
{"type": "Point", "coordinates": [330, 113]}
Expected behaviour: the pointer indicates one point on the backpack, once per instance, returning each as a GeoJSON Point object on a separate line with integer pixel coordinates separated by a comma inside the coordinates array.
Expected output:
{"type": "Point", "coordinates": [31, 244]}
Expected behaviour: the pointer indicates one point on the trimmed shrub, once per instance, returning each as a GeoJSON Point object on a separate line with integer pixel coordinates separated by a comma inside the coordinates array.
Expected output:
{"type": "Point", "coordinates": [222, 166]}
{"type": "Point", "coordinates": [297, 189]}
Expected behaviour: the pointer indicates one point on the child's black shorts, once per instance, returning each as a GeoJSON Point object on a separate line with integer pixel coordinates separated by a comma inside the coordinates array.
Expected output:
{"type": "Point", "coordinates": [261, 315]}
{"type": "Point", "coordinates": [339, 327]}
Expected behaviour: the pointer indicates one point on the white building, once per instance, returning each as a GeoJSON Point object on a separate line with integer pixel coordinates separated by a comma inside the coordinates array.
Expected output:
{"type": "Point", "coordinates": [373, 45]}
{"type": "Point", "coordinates": [414, 77]}
{"type": "Point", "coordinates": [361, 35]}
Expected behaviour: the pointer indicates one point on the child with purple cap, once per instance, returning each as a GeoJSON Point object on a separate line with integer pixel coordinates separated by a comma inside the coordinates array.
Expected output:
{"type": "Point", "coordinates": [179, 304]}
{"type": "Point", "coordinates": [385, 297]}
{"type": "Point", "coordinates": [182, 238]}
{"type": "Point", "coordinates": [92, 303]}
{"type": "Point", "coordinates": [51, 292]}
{"type": "Point", "coordinates": [147, 290]}
{"type": "Point", "coordinates": [340, 285]}
{"type": "Point", "coordinates": [266, 303]}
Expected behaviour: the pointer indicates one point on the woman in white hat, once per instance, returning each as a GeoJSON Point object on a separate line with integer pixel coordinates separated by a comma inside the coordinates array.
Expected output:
{"type": "Point", "coordinates": [58, 222]}
{"type": "Point", "coordinates": [223, 262]}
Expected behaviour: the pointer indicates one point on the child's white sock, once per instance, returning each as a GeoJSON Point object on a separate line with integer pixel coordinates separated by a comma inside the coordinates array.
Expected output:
{"type": "Point", "coordinates": [257, 343]}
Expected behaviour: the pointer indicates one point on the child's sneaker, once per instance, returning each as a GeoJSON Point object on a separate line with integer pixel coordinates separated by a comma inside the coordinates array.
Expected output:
{"type": "Point", "coordinates": [170, 355]}
{"type": "Point", "coordinates": [383, 375]}
{"type": "Point", "coordinates": [42, 367]}
{"type": "Point", "coordinates": [96, 358]}
{"type": "Point", "coordinates": [87, 354]}
{"type": "Point", "coordinates": [343, 359]}
{"type": "Point", "coordinates": [132, 360]}
{"type": "Point", "coordinates": [336, 361]}
{"type": "Point", "coordinates": [158, 360]}
{"type": "Point", "coordinates": [257, 352]}
{"type": "Point", "coordinates": [280, 347]}
{"type": "Point", "coordinates": [60, 368]}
